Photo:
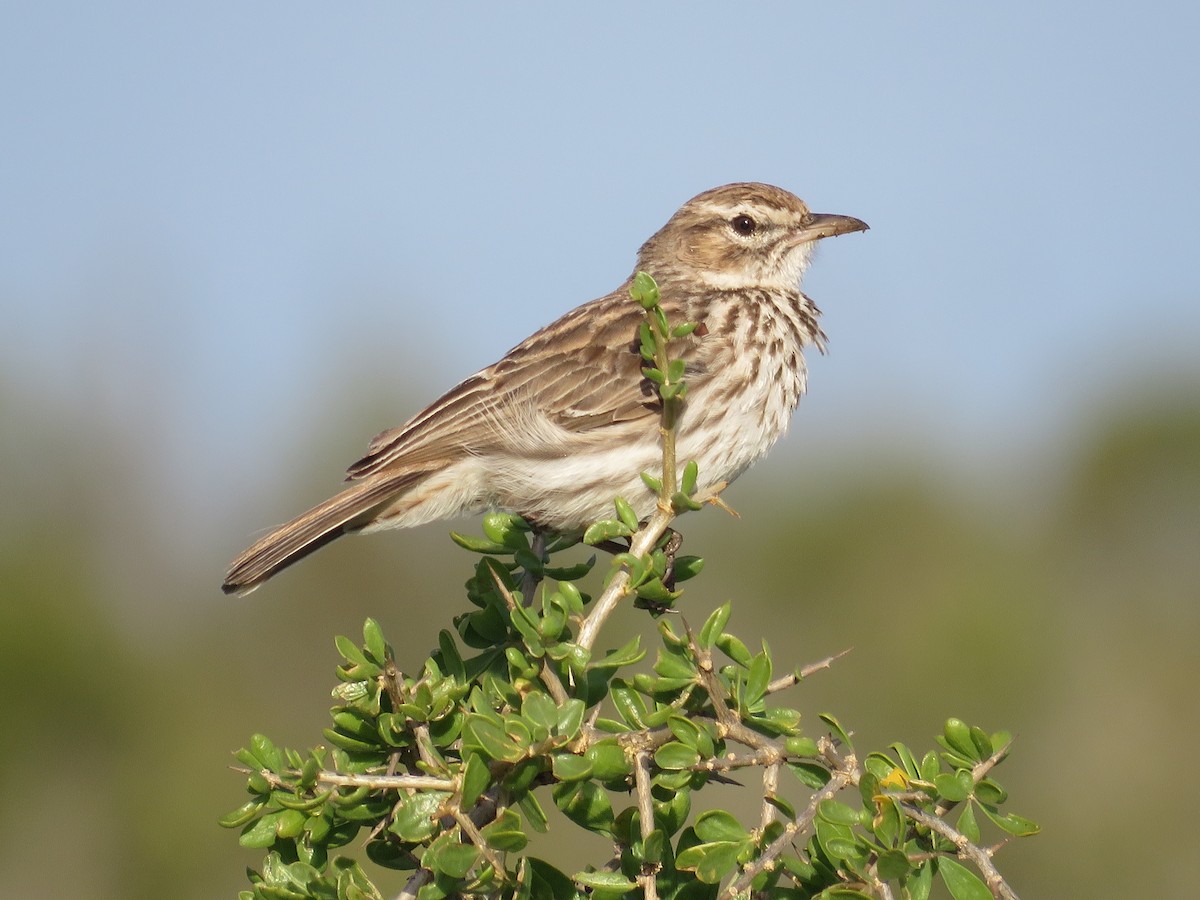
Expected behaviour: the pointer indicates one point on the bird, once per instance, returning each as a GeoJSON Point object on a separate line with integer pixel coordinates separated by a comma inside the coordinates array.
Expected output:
{"type": "Point", "coordinates": [566, 421]}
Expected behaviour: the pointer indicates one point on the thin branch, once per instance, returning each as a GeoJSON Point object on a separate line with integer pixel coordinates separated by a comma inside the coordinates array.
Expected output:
{"type": "Point", "coordinates": [375, 782]}
{"type": "Point", "coordinates": [845, 774]}
{"type": "Point", "coordinates": [770, 789]}
{"type": "Point", "coordinates": [618, 586]}
{"type": "Point", "coordinates": [483, 812]}
{"type": "Point", "coordinates": [787, 681]}
{"type": "Point", "coordinates": [729, 722]}
{"type": "Point", "coordinates": [764, 757]}
{"type": "Point", "coordinates": [881, 888]}
{"type": "Point", "coordinates": [641, 775]}
{"type": "Point", "coordinates": [973, 853]}
{"type": "Point", "coordinates": [421, 878]}
{"type": "Point", "coordinates": [425, 748]}
{"type": "Point", "coordinates": [553, 683]}
{"type": "Point", "coordinates": [477, 838]}
{"type": "Point", "coordinates": [530, 580]}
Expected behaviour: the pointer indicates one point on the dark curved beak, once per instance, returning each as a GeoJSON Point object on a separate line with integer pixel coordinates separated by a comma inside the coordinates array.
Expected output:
{"type": "Point", "coordinates": [823, 225]}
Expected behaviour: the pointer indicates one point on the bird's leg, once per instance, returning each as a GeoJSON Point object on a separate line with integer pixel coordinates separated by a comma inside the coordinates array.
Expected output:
{"type": "Point", "coordinates": [532, 578]}
{"type": "Point", "coordinates": [670, 548]}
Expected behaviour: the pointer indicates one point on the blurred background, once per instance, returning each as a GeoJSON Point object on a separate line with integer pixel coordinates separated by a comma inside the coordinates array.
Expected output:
{"type": "Point", "coordinates": [238, 240]}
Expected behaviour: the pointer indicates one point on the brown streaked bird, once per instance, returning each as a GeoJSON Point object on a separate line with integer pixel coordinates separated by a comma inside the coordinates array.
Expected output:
{"type": "Point", "coordinates": [565, 421]}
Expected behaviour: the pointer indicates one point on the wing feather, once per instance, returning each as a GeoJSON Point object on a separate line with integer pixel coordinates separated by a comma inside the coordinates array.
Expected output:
{"type": "Point", "coordinates": [579, 374]}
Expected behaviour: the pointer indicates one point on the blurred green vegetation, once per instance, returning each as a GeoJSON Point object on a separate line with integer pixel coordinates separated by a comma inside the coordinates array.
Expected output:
{"type": "Point", "coordinates": [1068, 615]}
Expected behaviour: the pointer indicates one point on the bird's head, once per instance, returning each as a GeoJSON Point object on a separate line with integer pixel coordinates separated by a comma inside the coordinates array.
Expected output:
{"type": "Point", "coordinates": [741, 236]}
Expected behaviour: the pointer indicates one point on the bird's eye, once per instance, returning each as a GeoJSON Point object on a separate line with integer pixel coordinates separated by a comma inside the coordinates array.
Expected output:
{"type": "Point", "coordinates": [744, 225]}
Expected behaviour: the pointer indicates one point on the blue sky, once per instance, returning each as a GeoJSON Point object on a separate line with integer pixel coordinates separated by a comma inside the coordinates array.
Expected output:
{"type": "Point", "coordinates": [231, 213]}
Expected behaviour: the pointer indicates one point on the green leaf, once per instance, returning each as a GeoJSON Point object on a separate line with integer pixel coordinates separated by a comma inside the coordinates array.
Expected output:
{"type": "Point", "coordinates": [981, 742]}
{"type": "Point", "coordinates": [687, 482]}
{"type": "Point", "coordinates": [626, 514]}
{"type": "Point", "coordinates": [523, 621]}
{"type": "Point", "coordinates": [623, 656]}
{"type": "Point", "coordinates": [476, 545]}
{"type": "Point", "coordinates": [540, 710]}
{"type": "Point", "coordinates": [958, 736]}
{"type": "Point", "coordinates": [352, 745]}
{"type": "Point", "coordinates": [243, 814]}
{"type": "Point", "coordinates": [681, 502]}
{"type": "Point", "coordinates": [291, 823]}
{"type": "Point", "coordinates": [260, 834]}
{"type": "Point", "coordinates": [810, 774]}
{"type": "Point", "coordinates": [490, 740]}
{"type": "Point", "coordinates": [714, 625]}
{"type": "Point", "coordinates": [415, 819]}
{"type": "Point", "coordinates": [920, 883]}
{"type": "Point", "coordinates": [835, 728]}
{"type": "Point", "coordinates": [604, 881]}
{"type": "Point", "coordinates": [956, 787]}
{"type": "Point", "coordinates": [652, 846]}
{"type": "Point", "coordinates": [1012, 823]}
{"type": "Point", "coordinates": [655, 375]}
{"type": "Point", "coordinates": [505, 833]}
{"type": "Point", "coordinates": [606, 530]}
{"type": "Point", "coordinates": [674, 755]}
{"type": "Point", "coordinates": [778, 719]}
{"type": "Point", "coordinates": [734, 649]}
{"type": "Point", "coordinates": [840, 813]}
{"type": "Point", "coordinates": [265, 754]}
{"type": "Point", "coordinates": [568, 767]}
{"type": "Point", "coordinates": [907, 760]}
{"type": "Point", "coordinates": [687, 567]}
{"type": "Point", "coordinates": [686, 731]}
{"type": "Point", "coordinates": [672, 814]}
{"type": "Point", "coordinates": [988, 791]}
{"type": "Point", "coordinates": [534, 813]}
{"type": "Point", "coordinates": [651, 482]}
{"type": "Point", "coordinates": [449, 857]}
{"type": "Point", "coordinates": [644, 290]}
{"type": "Point", "coordinates": [507, 530]}
{"type": "Point", "coordinates": [961, 882]}
{"type": "Point", "coordinates": [842, 848]}
{"type": "Point", "coordinates": [967, 824]}
{"type": "Point", "coordinates": [452, 660]}
{"type": "Point", "coordinates": [930, 766]}
{"type": "Point", "coordinates": [674, 663]}
{"type": "Point", "coordinates": [608, 760]}
{"type": "Point", "coordinates": [629, 705]}
{"type": "Point", "coordinates": [570, 719]}
{"type": "Point", "coordinates": [586, 804]}
{"type": "Point", "coordinates": [519, 663]}
{"type": "Point", "coordinates": [711, 862]}
{"type": "Point", "coordinates": [892, 865]}
{"type": "Point", "coordinates": [475, 778]}
{"type": "Point", "coordinates": [889, 823]}
{"type": "Point", "coordinates": [374, 642]}
{"type": "Point", "coordinates": [801, 746]}
{"type": "Point", "coordinates": [684, 330]}
{"type": "Point", "coordinates": [718, 825]}
{"type": "Point", "coordinates": [659, 318]}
